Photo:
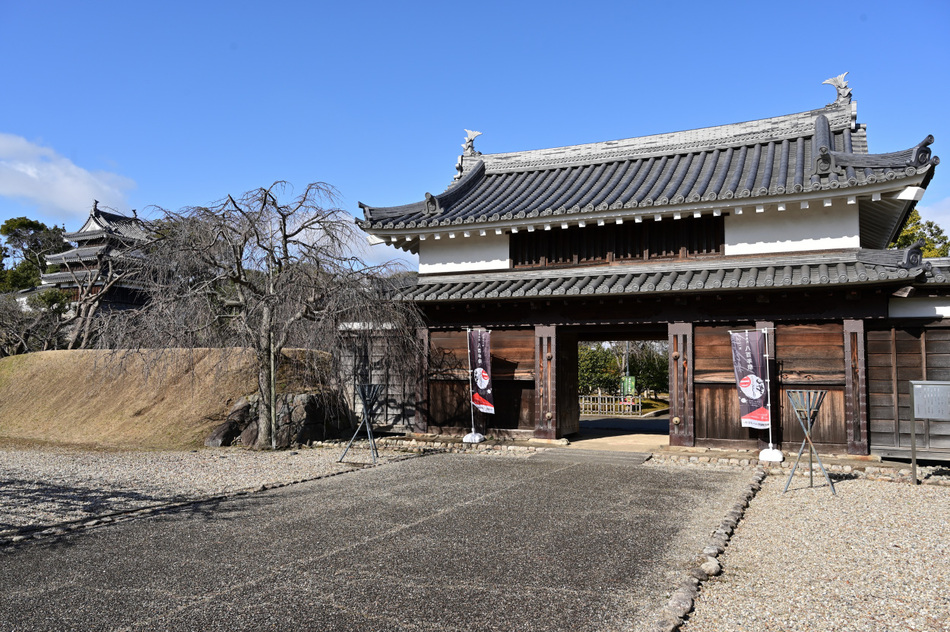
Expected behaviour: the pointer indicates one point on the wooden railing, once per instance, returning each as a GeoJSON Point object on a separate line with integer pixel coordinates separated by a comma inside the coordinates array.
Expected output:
{"type": "Point", "coordinates": [610, 405]}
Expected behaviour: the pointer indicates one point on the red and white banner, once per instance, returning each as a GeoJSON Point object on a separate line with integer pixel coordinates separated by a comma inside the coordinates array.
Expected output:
{"type": "Point", "coordinates": [479, 357]}
{"type": "Point", "coordinates": [750, 363]}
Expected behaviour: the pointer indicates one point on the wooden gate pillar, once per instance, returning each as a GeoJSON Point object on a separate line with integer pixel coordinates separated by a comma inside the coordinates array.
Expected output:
{"type": "Point", "coordinates": [682, 427]}
{"type": "Point", "coordinates": [855, 387]}
{"type": "Point", "coordinates": [420, 422]}
{"type": "Point", "coordinates": [545, 382]}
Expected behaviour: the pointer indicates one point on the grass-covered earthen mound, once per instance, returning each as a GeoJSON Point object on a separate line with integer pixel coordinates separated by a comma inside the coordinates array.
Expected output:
{"type": "Point", "coordinates": [169, 399]}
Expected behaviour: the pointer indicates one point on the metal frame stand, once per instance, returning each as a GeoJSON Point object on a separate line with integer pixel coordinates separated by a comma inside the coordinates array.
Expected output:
{"type": "Point", "coordinates": [369, 394]}
{"type": "Point", "coordinates": [806, 405]}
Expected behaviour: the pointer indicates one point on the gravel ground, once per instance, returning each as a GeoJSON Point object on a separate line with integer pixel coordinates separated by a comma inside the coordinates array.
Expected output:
{"type": "Point", "coordinates": [874, 557]}
{"type": "Point", "coordinates": [41, 486]}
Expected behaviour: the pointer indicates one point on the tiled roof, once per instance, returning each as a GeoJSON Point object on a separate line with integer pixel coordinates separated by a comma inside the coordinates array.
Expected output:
{"type": "Point", "coordinates": [87, 253]}
{"type": "Point", "coordinates": [105, 224]}
{"type": "Point", "coordinates": [819, 150]}
{"type": "Point", "coordinates": [67, 277]}
{"type": "Point", "coordinates": [851, 268]}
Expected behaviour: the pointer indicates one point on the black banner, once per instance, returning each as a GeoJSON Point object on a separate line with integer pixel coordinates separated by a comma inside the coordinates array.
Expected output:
{"type": "Point", "coordinates": [479, 357]}
{"type": "Point", "coordinates": [751, 368]}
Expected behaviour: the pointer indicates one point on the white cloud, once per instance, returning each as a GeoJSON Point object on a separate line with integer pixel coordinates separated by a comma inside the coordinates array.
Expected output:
{"type": "Point", "coordinates": [938, 212]}
{"type": "Point", "coordinates": [37, 175]}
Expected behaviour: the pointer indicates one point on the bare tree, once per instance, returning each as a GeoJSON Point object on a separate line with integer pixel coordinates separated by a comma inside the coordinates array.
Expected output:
{"type": "Point", "coordinates": [256, 272]}
{"type": "Point", "coordinates": [92, 284]}
{"type": "Point", "coordinates": [644, 359]}
{"type": "Point", "coordinates": [35, 326]}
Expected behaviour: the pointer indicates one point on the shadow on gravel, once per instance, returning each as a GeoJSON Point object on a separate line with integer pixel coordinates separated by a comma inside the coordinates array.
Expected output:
{"type": "Point", "coordinates": [22, 498]}
{"type": "Point", "coordinates": [55, 536]}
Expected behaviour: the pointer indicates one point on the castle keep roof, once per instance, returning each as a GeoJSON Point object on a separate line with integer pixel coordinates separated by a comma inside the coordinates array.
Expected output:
{"type": "Point", "coordinates": [97, 237]}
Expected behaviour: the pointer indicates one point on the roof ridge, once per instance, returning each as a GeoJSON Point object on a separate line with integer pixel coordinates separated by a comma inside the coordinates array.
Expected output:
{"type": "Point", "coordinates": [800, 124]}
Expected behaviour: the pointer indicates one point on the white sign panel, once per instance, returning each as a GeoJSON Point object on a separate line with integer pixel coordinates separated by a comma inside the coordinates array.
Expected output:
{"type": "Point", "coordinates": [931, 400]}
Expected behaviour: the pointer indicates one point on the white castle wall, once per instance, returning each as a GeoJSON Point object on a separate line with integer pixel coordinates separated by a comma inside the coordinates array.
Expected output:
{"type": "Point", "coordinates": [818, 227]}
{"type": "Point", "coordinates": [463, 254]}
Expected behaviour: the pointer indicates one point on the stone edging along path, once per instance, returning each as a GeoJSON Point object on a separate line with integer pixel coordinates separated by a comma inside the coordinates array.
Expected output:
{"type": "Point", "coordinates": [706, 564]}
{"type": "Point", "coordinates": [871, 470]}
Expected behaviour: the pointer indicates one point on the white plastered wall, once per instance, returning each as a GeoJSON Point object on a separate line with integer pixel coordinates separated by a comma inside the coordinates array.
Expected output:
{"type": "Point", "coordinates": [922, 307]}
{"type": "Point", "coordinates": [463, 254]}
{"type": "Point", "coordinates": [818, 227]}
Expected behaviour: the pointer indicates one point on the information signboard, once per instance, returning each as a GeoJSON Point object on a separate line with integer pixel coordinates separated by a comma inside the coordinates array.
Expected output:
{"type": "Point", "coordinates": [931, 400]}
{"type": "Point", "coordinates": [629, 385]}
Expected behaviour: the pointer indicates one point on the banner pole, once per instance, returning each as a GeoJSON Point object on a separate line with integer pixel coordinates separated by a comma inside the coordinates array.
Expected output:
{"type": "Point", "coordinates": [471, 394]}
{"type": "Point", "coordinates": [472, 437]}
{"type": "Point", "coordinates": [770, 454]}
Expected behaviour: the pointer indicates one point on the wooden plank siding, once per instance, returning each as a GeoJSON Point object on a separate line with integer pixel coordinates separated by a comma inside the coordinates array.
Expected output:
{"type": "Point", "coordinates": [512, 367]}
{"type": "Point", "coordinates": [896, 356]}
{"type": "Point", "coordinates": [807, 356]}
{"type": "Point", "coordinates": [714, 380]}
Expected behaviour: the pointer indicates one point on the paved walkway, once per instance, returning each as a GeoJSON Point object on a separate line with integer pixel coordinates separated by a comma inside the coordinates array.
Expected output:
{"type": "Point", "coordinates": [620, 434]}
{"type": "Point", "coordinates": [562, 540]}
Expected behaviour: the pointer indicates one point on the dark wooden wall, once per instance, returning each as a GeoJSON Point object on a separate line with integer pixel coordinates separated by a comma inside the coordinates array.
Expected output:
{"type": "Point", "coordinates": [512, 368]}
{"type": "Point", "coordinates": [568, 404]}
{"type": "Point", "coordinates": [806, 356]}
{"type": "Point", "coordinates": [895, 356]}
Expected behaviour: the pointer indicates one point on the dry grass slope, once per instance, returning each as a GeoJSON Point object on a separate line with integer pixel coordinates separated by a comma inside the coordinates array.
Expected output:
{"type": "Point", "coordinates": [103, 399]}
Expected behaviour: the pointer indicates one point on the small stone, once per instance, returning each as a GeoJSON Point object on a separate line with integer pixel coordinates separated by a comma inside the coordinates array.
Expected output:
{"type": "Point", "coordinates": [680, 603]}
{"type": "Point", "coordinates": [711, 567]}
{"type": "Point", "coordinates": [690, 581]}
{"type": "Point", "coordinates": [668, 622]}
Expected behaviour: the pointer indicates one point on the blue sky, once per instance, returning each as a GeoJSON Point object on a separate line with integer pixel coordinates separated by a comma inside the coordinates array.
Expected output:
{"type": "Point", "coordinates": [181, 103]}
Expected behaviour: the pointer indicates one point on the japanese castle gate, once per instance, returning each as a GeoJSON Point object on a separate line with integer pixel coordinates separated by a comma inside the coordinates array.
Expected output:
{"type": "Point", "coordinates": [780, 223]}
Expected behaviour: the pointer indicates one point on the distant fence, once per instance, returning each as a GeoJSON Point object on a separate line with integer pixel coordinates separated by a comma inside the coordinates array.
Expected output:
{"type": "Point", "coordinates": [610, 405]}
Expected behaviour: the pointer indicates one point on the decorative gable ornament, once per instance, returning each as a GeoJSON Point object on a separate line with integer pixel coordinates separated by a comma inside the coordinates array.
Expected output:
{"type": "Point", "coordinates": [914, 257]}
{"type": "Point", "coordinates": [844, 92]}
{"type": "Point", "coordinates": [468, 147]}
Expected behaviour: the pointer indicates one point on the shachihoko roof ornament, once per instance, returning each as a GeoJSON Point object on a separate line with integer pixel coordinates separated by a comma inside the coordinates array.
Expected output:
{"type": "Point", "coordinates": [468, 150]}
{"type": "Point", "coordinates": [844, 92]}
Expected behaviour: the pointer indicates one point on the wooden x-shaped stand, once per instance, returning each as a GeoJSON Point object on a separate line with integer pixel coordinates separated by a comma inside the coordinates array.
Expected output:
{"type": "Point", "coordinates": [806, 405]}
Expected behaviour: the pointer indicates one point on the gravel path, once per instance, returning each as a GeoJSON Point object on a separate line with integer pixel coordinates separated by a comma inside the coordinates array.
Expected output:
{"type": "Point", "coordinates": [42, 486]}
{"type": "Point", "coordinates": [874, 557]}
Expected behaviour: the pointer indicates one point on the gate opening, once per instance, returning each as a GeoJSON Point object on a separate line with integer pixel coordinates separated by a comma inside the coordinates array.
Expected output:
{"type": "Point", "coordinates": [623, 391]}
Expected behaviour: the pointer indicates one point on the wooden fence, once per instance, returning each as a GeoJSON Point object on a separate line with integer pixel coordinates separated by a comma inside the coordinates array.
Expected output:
{"type": "Point", "coordinates": [610, 405]}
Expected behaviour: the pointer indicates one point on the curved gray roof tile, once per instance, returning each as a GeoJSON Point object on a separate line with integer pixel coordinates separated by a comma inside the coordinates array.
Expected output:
{"type": "Point", "coordinates": [823, 271]}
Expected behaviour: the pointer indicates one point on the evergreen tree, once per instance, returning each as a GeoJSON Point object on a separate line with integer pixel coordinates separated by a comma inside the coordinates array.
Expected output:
{"type": "Point", "coordinates": [27, 244]}
{"type": "Point", "coordinates": [936, 243]}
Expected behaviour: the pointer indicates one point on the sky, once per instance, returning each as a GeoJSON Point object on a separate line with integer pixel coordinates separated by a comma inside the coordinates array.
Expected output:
{"type": "Point", "coordinates": [170, 104]}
